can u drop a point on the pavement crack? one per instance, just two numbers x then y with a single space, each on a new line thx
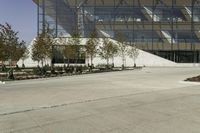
86 101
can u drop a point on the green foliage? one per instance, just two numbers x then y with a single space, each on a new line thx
17 68
59 69
2 48
69 52
3 68
74 42
37 71
11 75
67 69
79 69
25 55
11 48
42 47
41 71
71 69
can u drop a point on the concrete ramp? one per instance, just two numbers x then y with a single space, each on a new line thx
144 58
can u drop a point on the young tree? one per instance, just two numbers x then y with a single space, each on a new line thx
74 43
113 51
133 53
91 46
123 49
42 48
39 49
69 51
25 54
105 51
50 41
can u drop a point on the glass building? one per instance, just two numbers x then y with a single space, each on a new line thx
167 28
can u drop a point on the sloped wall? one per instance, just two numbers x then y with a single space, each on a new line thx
144 59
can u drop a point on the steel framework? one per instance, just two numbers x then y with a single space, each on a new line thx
168 28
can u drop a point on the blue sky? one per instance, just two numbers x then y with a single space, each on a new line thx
22 15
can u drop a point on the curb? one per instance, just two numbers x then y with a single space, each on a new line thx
189 82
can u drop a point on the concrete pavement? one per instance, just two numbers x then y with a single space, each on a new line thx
152 100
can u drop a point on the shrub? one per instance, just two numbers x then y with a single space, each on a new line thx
104 67
17 68
37 71
71 69
79 69
11 75
3 68
59 69
67 69
53 70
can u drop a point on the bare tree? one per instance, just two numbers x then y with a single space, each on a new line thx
133 53
123 49
91 46
105 51
113 51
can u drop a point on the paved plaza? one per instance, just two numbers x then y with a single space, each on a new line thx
151 100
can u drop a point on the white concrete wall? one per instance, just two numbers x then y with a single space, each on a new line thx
144 59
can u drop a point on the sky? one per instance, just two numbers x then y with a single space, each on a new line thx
22 15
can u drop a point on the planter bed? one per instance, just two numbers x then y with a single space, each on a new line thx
27 75
194 79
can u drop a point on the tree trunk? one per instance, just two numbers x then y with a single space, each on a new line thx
107 60
91 61
22 62
134 60
113 62
64 61
68 62
42 63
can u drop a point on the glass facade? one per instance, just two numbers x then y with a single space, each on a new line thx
162 27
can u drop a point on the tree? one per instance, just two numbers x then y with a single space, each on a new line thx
69 51
11 46
39 49
91 46
123 49
113 51
42 48
105 51
25 54
2 53
74 43
1 49
133 53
